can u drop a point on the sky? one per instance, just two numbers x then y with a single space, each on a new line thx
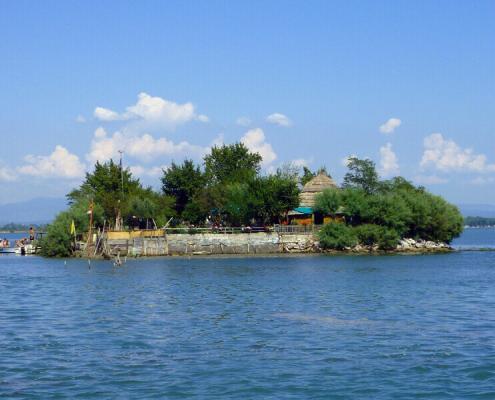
409 85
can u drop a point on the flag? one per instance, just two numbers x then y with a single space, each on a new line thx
73 228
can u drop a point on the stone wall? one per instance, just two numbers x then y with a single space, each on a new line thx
212 243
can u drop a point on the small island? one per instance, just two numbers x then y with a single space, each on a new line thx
227 205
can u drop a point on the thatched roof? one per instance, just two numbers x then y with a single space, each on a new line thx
316 185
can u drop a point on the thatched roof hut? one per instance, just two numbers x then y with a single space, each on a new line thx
316 185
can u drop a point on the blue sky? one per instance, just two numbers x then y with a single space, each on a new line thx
408 84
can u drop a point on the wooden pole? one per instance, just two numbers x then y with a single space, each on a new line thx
90 234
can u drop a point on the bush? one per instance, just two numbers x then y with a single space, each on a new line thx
368 234
371 235
337 236
389 239
58 240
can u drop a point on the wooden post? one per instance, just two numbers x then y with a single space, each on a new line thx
90 234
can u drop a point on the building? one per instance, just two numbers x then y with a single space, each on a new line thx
316 185
304 214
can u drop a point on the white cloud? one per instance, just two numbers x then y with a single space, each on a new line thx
203 118
153 110
243 121
390 126
104 114
80 119
429 180
345 160
7 175
301 162
254 140
389 165
143 147
153 172
279 119
446 155
61 163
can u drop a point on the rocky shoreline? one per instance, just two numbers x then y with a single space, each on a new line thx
261 243
404 246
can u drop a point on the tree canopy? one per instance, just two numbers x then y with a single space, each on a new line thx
231 163
382 212
228 188
361 175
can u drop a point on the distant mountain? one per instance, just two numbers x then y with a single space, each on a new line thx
478 210
36 211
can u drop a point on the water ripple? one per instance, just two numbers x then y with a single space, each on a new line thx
311 327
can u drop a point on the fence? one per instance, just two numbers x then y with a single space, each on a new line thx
154 233
225 230
296 229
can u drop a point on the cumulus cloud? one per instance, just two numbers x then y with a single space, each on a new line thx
389 165
446 155
254 140
390 126
301 162
143 147
7 175
104 114
80 119
243 121
140 171
60 163
153 110
279 119
345 160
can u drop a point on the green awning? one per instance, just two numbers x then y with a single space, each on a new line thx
304 210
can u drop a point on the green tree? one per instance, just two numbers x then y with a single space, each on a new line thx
231 163
355 205
183 182
150 206
58 241
276 195
362 175
307 175
238 207
328 201
390 210
104 187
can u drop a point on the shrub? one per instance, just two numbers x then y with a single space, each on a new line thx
337 236
58 241
389 239
368 234
371 235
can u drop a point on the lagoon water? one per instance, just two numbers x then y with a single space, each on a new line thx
315 327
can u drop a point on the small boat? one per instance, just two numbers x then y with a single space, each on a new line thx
25 249
5 247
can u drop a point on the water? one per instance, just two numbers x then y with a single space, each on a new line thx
338 327
476 238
